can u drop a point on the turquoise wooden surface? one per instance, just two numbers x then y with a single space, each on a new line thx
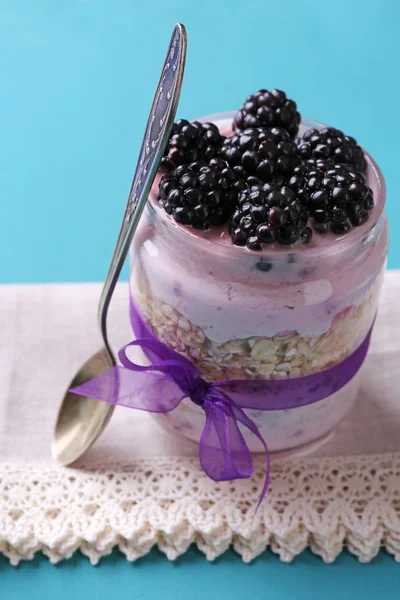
77 81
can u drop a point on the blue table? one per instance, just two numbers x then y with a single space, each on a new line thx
78 78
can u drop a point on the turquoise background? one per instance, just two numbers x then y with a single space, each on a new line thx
193 578
77 82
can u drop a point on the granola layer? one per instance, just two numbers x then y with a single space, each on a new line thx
285 355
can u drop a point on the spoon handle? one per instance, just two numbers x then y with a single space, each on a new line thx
156 135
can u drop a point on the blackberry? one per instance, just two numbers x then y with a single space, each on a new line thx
267 214
337 199
268 109
190 142
201 194
261 155
331 146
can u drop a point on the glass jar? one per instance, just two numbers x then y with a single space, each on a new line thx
285 312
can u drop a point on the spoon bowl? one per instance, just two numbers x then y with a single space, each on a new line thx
81 419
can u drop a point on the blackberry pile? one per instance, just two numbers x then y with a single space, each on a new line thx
261 155
267 186
268 109
201 194
330 146
191 142
336 200
268 214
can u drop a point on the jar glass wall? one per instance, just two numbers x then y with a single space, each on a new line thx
280 313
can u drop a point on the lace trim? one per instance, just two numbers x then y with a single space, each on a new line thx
325 504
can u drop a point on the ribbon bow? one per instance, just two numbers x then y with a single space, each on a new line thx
162 385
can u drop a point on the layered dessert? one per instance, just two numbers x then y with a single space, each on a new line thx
261 256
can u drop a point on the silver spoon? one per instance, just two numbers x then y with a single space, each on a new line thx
82 419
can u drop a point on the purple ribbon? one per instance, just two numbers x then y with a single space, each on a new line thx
170 377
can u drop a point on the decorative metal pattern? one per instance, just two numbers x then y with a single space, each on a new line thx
164 105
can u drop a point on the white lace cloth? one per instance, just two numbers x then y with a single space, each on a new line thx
345 492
